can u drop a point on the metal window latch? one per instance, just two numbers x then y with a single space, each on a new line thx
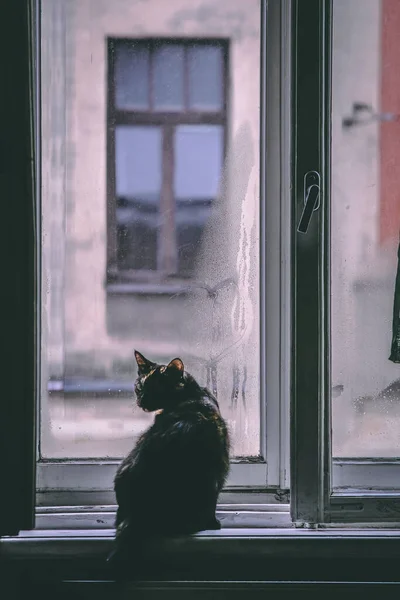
311 194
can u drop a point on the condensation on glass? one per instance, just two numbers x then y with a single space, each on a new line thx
150 203
365 227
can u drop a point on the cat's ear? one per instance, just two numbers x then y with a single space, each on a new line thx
144 365
176 366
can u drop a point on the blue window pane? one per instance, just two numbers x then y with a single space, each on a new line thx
205 65
132 77
138 159
168 77
198 168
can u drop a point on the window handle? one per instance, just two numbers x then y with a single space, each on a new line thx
311 199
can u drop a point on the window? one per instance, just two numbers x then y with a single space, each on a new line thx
167 112
345 267
282 298
151 172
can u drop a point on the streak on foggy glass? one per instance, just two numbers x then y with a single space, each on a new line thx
138 188
365 227
194 181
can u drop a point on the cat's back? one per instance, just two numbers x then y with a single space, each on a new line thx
193 434
200 410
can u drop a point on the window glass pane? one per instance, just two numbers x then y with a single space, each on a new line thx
198 164
108 193
168 77
138 187
365 227
205 77
131 76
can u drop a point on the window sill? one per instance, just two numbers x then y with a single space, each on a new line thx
230 555
99 518
371 543
148 289
169 287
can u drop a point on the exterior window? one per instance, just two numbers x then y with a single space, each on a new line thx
166 143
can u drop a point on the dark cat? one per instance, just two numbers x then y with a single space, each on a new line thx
170 481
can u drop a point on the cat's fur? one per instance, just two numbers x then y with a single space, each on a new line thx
169 483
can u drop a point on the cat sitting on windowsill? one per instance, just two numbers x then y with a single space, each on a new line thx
169 483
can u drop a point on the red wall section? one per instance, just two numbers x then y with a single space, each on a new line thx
390 131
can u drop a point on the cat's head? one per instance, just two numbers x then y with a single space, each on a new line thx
156 385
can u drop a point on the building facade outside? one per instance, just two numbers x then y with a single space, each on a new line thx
199 175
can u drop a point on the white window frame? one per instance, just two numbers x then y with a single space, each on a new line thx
326 491
67 488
